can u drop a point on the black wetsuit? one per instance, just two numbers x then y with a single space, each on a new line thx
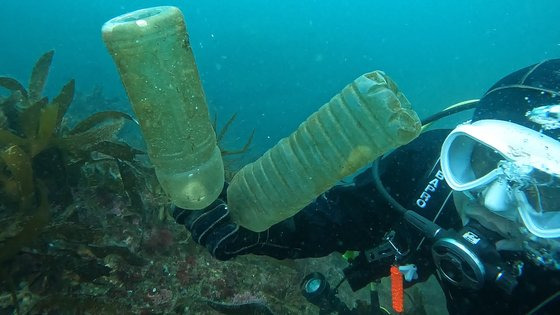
357 216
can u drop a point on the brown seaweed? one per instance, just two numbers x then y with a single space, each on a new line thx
39 75
42 164
231 165
31 227
224 130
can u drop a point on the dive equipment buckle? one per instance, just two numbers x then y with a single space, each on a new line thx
388 248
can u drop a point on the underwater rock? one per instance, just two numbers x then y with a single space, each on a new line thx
250 308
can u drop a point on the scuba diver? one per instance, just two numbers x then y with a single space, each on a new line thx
478 206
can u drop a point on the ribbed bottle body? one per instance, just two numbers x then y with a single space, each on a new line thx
368 118
157 67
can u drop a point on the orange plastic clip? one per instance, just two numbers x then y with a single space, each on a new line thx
397 291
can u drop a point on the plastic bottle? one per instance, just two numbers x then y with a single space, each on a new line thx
368 118
152 52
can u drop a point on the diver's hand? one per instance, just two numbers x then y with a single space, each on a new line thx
212 227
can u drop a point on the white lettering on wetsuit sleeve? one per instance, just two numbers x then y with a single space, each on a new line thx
432 186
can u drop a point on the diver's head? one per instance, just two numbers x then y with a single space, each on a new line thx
505 164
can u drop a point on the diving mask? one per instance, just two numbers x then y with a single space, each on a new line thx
516 171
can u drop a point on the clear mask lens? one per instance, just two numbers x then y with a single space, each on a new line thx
498 198
538 201
543 192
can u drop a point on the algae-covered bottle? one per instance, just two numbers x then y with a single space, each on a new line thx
368 118
157 67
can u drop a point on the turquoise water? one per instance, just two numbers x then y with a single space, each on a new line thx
275 62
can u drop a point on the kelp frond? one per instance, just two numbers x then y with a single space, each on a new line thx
39 75
224 130
243 150
231 165
18 163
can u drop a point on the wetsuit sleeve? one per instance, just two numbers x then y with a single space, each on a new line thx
350 217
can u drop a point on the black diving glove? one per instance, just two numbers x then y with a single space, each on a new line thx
212 228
